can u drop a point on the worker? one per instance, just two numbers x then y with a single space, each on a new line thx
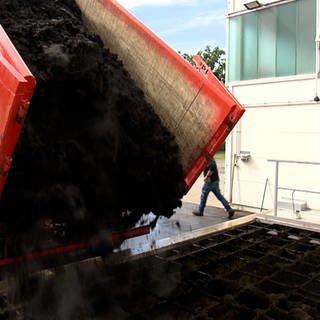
211 183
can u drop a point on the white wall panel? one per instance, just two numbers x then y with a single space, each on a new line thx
280 133
297 88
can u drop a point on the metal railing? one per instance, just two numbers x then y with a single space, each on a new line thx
276 181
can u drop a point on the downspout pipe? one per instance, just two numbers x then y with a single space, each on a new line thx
317 40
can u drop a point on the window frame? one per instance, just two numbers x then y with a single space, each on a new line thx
240 55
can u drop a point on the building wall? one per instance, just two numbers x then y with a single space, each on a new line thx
281 122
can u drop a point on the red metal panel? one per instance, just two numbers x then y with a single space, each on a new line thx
16 88
224 126
67 248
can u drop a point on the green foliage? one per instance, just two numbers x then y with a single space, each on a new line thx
188 57
214 58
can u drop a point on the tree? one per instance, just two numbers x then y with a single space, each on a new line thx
188 57
214 58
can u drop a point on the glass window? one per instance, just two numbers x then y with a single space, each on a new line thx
306 52
277 41
267 44
234 61
286 40
249 47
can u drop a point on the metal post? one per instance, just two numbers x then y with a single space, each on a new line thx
275 204
317 49
264 193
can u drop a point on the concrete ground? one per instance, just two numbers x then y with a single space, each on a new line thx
183 225
308 219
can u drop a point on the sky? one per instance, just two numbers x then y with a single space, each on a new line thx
187 26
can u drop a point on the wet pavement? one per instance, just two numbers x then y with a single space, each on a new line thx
183 226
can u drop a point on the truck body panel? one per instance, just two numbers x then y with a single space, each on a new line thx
16 89
199 112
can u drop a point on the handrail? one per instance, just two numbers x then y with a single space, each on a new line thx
293 161
276 187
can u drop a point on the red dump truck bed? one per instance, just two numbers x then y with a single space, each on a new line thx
199 112
16 89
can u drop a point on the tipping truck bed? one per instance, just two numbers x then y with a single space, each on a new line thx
199 112
16 89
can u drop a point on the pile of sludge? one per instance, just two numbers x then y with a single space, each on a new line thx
91 147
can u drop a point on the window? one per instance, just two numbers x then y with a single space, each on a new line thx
273 42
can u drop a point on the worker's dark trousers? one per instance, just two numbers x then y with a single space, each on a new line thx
214 187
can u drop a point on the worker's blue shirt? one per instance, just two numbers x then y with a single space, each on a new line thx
212 166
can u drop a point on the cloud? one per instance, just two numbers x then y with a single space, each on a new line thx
193 46
129 4
207 19
186 25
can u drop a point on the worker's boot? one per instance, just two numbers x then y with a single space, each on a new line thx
230 214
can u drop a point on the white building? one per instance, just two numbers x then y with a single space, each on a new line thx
273 70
